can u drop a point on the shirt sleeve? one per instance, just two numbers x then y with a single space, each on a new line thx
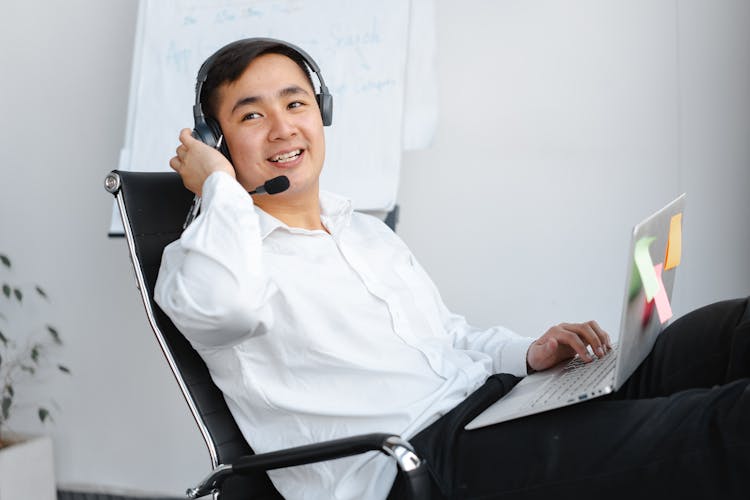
211 282
506 348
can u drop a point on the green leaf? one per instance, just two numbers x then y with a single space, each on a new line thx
55 336
5 260
43 414
6 290
35 354
5 407
41 292
18 294
63 369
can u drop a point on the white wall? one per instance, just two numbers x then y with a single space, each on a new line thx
66 72
562 124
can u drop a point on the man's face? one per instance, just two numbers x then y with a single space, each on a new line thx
272 126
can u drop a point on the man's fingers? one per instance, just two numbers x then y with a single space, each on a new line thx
596 343
566 340
601 339
186 136
569 335
588 334
602 334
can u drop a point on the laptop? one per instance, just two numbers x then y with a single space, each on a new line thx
655 252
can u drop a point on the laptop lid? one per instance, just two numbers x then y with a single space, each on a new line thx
655 253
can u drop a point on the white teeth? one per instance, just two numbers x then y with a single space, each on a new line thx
287 156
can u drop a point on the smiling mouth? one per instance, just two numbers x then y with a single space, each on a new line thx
286 157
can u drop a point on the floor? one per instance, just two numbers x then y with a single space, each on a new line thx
78 495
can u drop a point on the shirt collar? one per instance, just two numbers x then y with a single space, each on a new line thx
335 214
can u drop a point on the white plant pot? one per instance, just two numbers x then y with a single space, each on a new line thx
27 469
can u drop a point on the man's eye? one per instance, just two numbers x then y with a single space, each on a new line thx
295 104
251 116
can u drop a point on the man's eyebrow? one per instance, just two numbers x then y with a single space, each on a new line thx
245 101
285 92
292 90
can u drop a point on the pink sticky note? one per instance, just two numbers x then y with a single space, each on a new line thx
663 308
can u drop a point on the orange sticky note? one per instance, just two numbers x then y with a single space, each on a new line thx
674 243
663 308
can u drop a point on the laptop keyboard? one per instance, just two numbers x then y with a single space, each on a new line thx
576 379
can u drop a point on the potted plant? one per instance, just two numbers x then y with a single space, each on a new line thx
27 350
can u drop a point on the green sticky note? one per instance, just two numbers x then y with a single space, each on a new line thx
646 267
635 285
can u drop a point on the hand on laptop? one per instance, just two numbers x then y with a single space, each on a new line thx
564 341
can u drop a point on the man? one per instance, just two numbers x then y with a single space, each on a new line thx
318 323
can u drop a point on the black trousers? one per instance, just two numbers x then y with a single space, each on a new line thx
679 428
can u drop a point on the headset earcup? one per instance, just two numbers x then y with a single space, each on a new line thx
217 133
203 132
325 103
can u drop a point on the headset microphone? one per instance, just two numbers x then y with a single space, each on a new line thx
273 186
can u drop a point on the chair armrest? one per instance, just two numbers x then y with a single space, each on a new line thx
400 450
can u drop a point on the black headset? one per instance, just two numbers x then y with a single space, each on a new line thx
207 129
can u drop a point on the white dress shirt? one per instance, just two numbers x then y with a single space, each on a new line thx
315 336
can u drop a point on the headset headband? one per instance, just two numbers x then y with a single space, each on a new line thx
206 66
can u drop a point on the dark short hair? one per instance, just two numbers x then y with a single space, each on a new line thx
231 61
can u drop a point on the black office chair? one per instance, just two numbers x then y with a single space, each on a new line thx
153 207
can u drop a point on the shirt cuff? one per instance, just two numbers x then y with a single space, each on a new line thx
513 357
218 181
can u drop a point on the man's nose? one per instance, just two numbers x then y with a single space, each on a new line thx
282 126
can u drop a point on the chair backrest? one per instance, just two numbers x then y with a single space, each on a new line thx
153 207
